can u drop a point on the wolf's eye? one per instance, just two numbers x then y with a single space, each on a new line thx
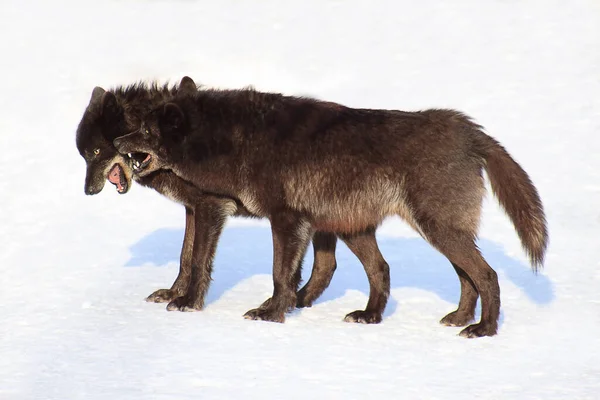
96 151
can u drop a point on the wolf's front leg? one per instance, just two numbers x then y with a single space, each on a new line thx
180 286
209 219
290 239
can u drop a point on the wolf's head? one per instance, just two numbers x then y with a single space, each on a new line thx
102 121
156 142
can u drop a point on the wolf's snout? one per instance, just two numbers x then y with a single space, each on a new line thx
117 143
91 190
122 145
94 181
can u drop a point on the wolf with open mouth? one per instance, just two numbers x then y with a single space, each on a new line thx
306 164
112 114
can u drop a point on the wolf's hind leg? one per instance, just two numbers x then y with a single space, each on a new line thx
364 246
323 268
459 246
468 300
446 207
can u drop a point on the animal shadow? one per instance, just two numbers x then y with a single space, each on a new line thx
247 251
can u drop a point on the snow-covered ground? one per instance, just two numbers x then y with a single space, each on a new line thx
74 269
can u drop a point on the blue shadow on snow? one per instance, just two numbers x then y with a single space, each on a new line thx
246 251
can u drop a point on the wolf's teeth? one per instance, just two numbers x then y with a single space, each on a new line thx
129 155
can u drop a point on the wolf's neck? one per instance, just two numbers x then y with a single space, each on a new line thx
208 178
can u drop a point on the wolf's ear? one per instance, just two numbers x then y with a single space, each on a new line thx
173 116
96 98
109 105
187 86
97 95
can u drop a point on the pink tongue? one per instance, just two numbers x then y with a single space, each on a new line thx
146 159
114 177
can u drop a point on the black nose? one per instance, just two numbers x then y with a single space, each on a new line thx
91 191
117 142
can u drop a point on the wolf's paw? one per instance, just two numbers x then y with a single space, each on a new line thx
162 296
364 317
478 330
303 299
184 304
265 304
456 318
265 314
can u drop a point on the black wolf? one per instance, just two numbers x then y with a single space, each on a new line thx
306 164
111 114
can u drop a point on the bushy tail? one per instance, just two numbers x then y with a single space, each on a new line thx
519 198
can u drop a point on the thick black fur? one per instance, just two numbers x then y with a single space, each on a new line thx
112 114
311 165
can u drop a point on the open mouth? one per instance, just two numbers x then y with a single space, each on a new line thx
139 161
116 176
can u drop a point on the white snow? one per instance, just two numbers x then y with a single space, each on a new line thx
74 269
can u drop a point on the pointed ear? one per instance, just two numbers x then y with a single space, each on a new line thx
187 85
97 94
96 97
173 116
109 106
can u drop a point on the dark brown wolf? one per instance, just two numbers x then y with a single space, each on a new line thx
306 164
111 114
